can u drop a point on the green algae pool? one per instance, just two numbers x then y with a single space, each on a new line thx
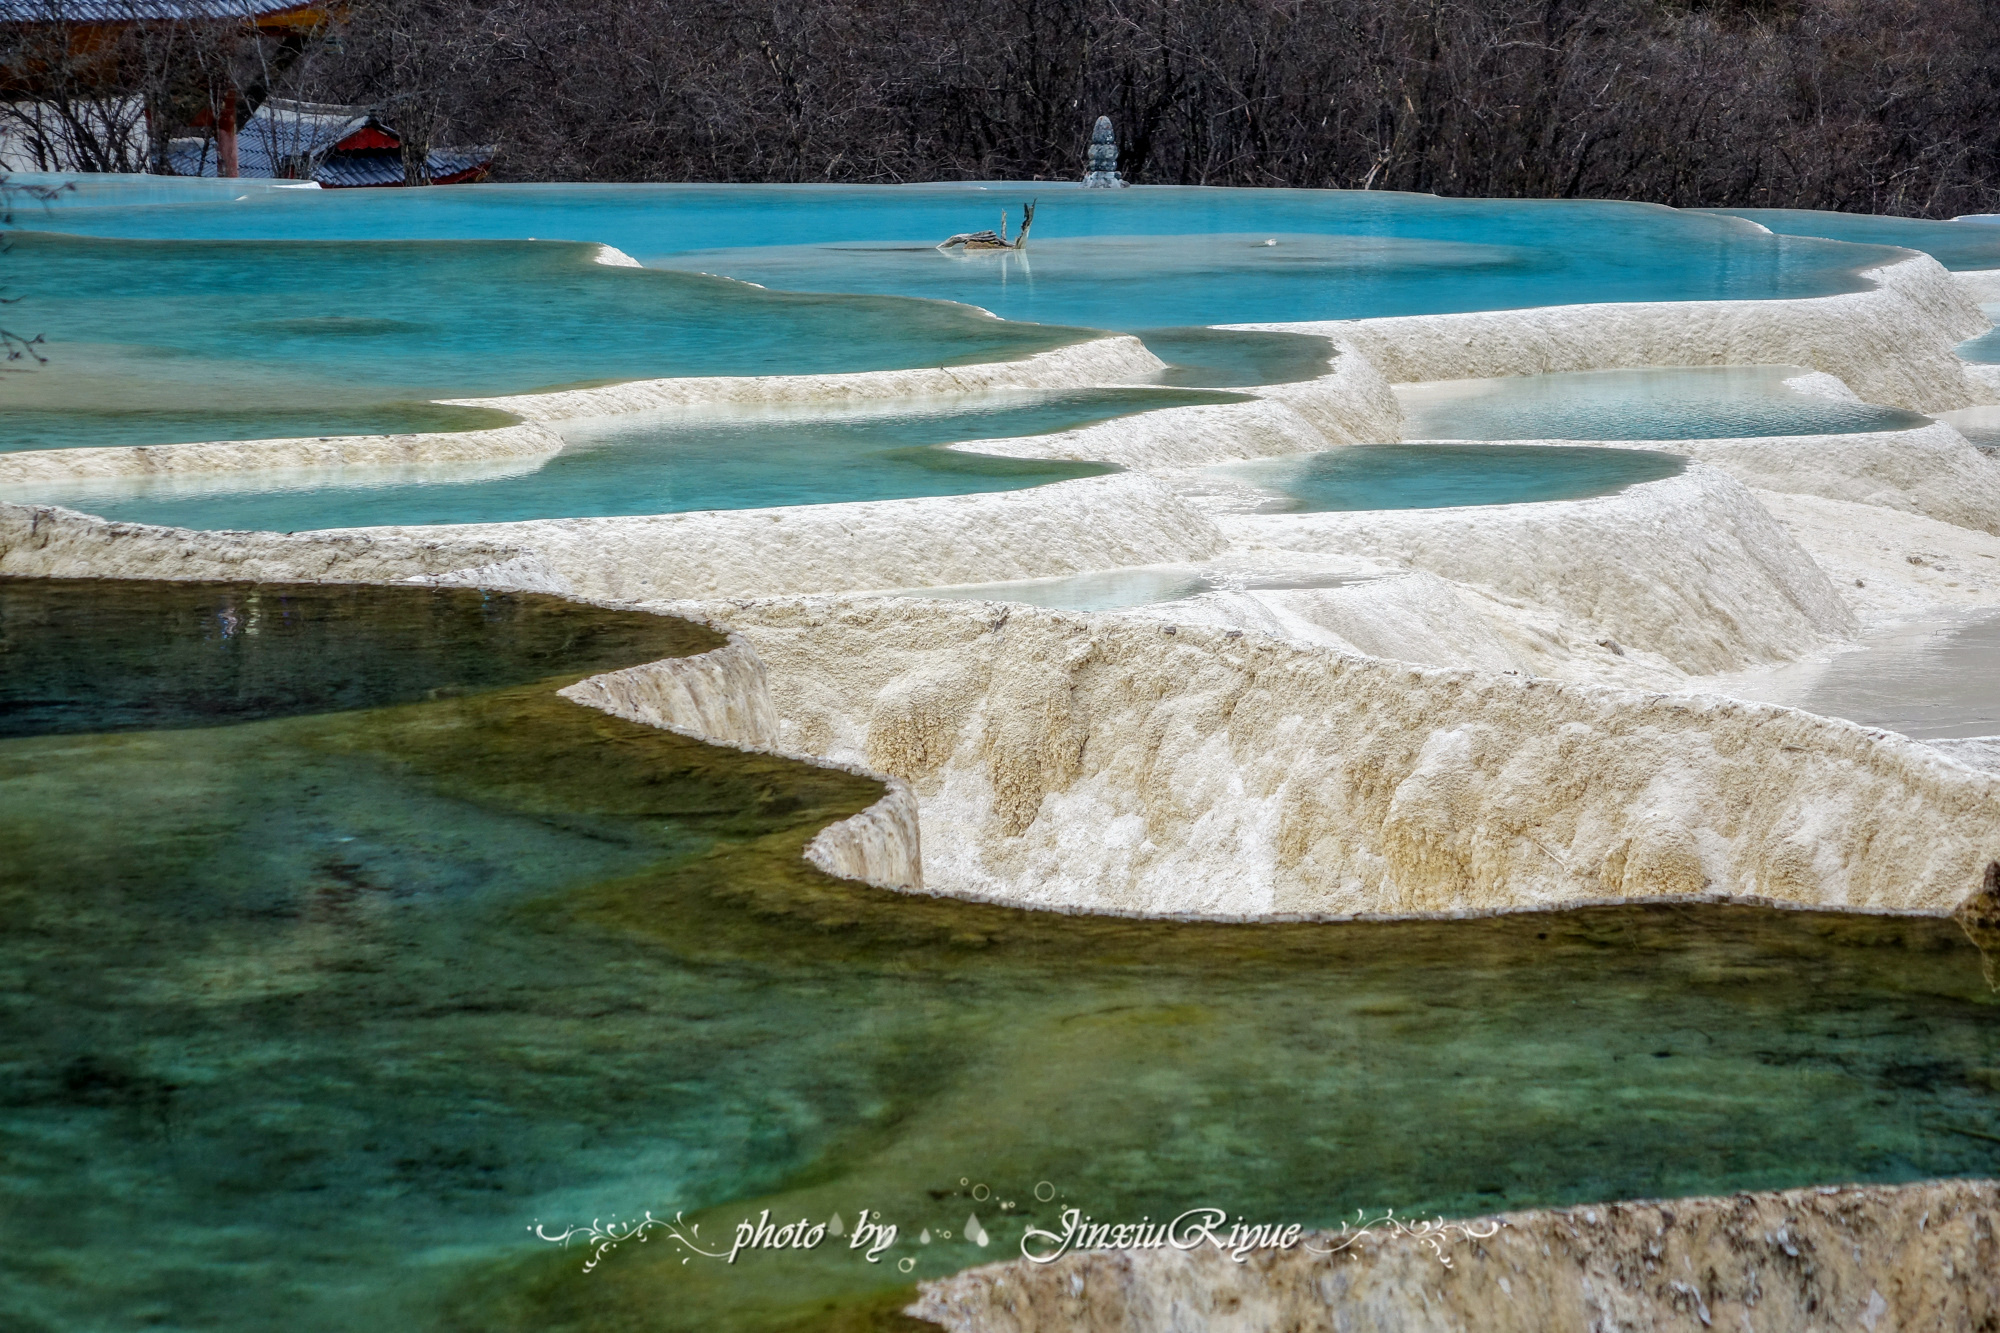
339 953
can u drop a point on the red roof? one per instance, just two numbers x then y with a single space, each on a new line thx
368 136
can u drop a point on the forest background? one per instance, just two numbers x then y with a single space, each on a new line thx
1879 106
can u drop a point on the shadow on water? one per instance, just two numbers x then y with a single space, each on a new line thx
328 978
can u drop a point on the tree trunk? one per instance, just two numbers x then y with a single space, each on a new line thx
225 137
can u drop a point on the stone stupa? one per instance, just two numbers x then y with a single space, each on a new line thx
1103 160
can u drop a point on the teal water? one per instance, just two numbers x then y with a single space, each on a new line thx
178 313
332 973
1440 476
1671 403
1236 358
299 336
649 463
84 427
1985 349
1957 245
1147 257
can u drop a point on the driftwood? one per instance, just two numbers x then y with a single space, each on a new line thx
994 240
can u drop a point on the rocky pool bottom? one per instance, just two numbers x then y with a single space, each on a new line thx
331 974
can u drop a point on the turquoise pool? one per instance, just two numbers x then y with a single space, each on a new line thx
150 339
341 952
177 313
1126 259
651 463
1442 476
1985 349
1962 244
1667 403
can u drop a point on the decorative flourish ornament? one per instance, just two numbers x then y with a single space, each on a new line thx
1433 1235
604 1237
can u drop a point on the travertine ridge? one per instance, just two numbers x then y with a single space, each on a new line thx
720 695
1093 523
49 542
1691 567
1173 437
1116 763
1893 343
1119 359
1877 1259
1931 470
525 440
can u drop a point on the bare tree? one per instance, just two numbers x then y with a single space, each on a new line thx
1886 106
20 346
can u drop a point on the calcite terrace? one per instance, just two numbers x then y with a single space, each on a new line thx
1173 690
1369 711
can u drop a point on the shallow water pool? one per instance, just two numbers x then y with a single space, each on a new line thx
174 315
1931 679
1150 256
1983 350
651 463
1957 244
1236 358
334 970
1440 476
150 341
1668 403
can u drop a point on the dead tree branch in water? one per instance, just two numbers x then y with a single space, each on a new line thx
991 240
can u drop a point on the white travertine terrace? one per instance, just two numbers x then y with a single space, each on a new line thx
1691 568
1092 523
721 696
1874 1258
1981 284
1171 437
1390 712
1119 359
1350 404
1931 470
1406 616
526 440
1117 763
879 846
42 541
1893 343
1984 418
